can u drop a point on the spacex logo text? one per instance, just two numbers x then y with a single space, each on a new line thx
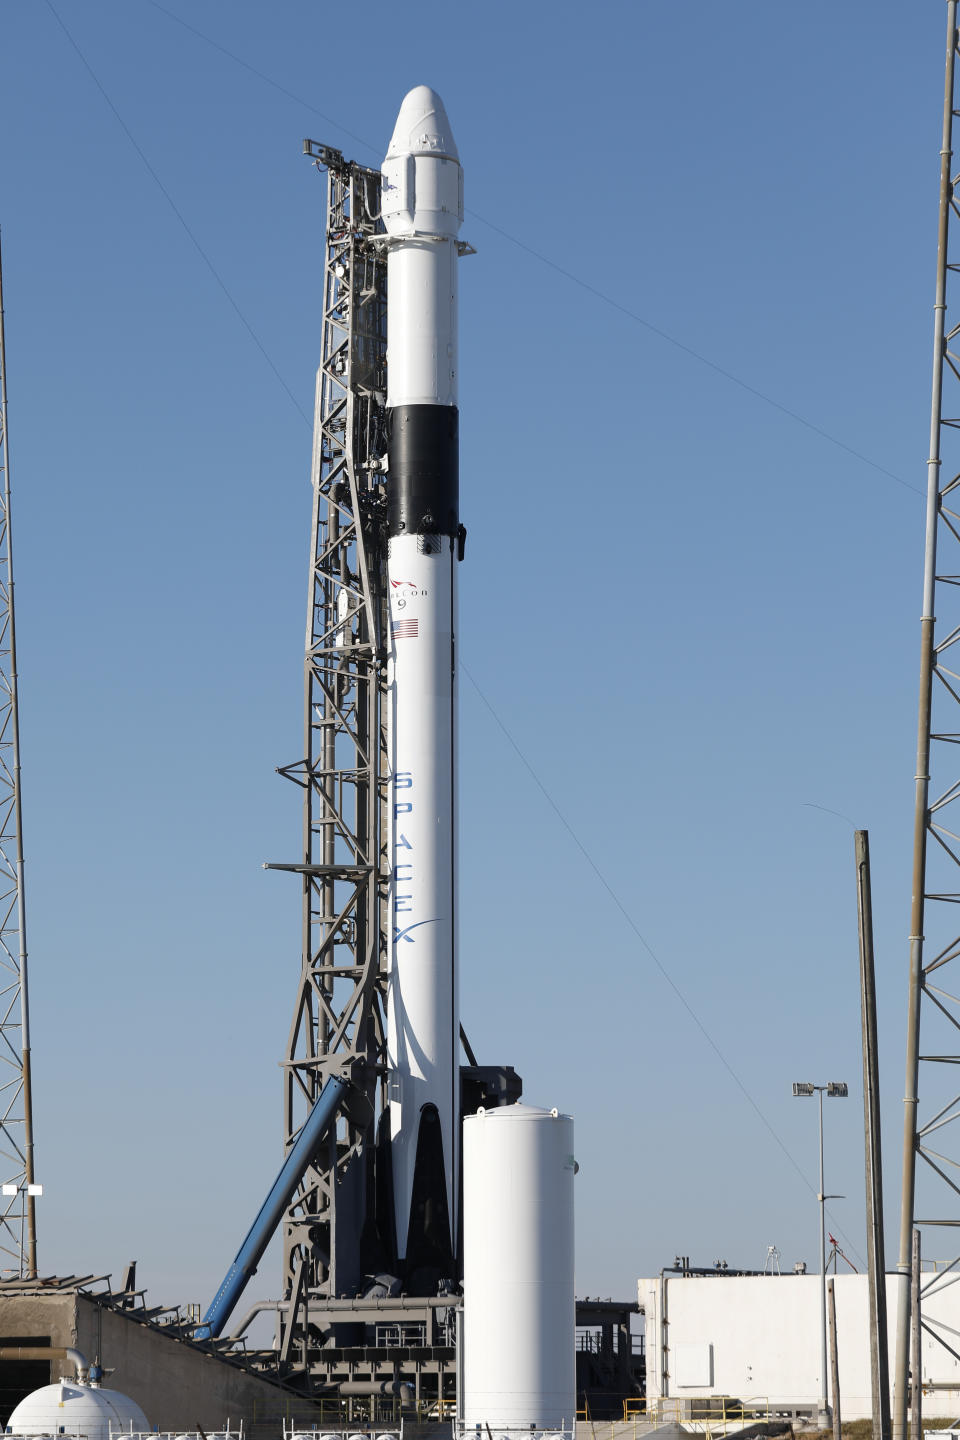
403 903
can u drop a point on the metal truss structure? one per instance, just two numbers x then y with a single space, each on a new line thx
931 1149
338 1019
18 1235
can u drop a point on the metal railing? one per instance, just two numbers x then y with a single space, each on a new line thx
119 1432
493 1431
706 1415
333 1413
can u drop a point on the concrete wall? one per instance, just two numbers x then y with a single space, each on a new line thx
177 1388
53 1316
758 1337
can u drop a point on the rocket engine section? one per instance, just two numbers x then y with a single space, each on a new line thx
422 209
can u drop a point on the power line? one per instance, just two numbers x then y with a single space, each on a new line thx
703 359
634 927
178 213
268 80
569 275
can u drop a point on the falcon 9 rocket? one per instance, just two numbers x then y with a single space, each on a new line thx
422 208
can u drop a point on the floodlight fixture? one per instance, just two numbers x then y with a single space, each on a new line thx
838 1089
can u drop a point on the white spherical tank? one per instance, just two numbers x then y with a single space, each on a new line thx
519 1317
73 1409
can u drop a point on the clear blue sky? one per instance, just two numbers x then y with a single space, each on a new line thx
688 614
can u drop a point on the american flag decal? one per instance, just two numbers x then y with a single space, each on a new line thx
405 629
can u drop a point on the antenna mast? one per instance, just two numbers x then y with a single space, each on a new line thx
18 1230
930 1135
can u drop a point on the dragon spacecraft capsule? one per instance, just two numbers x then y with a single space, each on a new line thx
422 209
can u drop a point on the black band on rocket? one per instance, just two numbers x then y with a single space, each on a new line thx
423 459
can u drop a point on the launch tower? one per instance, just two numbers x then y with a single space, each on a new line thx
338 1026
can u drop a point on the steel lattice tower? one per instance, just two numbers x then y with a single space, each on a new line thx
338 1020
18 1235
931 1101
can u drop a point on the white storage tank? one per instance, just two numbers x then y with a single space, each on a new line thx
519 1369
70 1408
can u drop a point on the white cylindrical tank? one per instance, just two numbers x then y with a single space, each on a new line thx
71 1409
519 1318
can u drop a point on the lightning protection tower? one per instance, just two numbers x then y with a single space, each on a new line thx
931 1142
18 1233
337 1028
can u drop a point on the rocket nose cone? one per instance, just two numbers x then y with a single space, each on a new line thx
422 127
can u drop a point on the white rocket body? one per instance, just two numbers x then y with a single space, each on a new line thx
422 208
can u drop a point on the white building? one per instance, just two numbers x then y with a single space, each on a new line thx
757 1339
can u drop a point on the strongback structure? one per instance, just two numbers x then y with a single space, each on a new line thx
931 1149
18 1236
338 1020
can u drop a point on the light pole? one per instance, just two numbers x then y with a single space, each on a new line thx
838 1090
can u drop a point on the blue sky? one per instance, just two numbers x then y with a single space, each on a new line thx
695 356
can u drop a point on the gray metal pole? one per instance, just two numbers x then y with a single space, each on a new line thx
31 1246
921 800
916 1389
834 1360
876 1265
824 1409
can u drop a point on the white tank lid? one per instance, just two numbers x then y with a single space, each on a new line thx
69 1408
517 1113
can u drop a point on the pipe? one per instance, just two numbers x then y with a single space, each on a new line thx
253 1312
376 1387
45 1352
391 1303
388 1302
321 1117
